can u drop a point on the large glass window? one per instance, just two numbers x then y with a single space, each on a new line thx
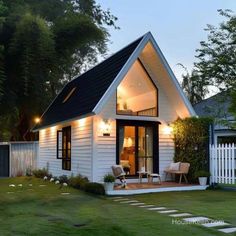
136 94
64 147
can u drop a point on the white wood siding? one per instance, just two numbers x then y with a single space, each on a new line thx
81 148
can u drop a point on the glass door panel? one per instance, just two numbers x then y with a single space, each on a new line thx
127 149
145 149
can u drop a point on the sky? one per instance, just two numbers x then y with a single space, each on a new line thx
177 25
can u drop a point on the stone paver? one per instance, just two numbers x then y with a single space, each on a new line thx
65 193
197 219
228 230
156 208
168 211
146 206
215 223
130 201
137 204
121 199
180 215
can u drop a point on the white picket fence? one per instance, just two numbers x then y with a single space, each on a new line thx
222 163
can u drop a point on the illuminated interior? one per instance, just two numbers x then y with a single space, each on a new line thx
136 94
136 149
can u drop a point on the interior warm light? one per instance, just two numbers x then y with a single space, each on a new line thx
128 142
37 120
105 128
168 130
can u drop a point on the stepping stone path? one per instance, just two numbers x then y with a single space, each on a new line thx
228 230
65 193
204 221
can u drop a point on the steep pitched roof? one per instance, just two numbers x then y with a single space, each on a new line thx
87 89
88 93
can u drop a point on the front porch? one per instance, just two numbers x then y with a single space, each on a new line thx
141 188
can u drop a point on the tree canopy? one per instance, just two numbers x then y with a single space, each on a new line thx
43 45
216 58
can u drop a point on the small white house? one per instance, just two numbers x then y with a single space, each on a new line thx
116 113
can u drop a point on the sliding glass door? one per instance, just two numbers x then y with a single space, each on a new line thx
137 146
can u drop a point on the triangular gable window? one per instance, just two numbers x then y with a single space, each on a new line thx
137 95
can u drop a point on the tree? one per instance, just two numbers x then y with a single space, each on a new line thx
43 45
217 56
193 86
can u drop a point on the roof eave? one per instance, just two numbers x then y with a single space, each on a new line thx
64 121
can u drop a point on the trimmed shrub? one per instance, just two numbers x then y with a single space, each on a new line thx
191 138
77 181
94 188
40 173
63 179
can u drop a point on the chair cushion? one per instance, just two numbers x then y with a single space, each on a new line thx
174 166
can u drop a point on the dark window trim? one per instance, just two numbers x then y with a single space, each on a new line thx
58 145
157 94
65 153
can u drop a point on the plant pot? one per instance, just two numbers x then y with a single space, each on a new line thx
202 180
109 186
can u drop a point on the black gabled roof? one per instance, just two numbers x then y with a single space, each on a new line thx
90 88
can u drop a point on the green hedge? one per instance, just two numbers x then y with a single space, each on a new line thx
191 138
94 188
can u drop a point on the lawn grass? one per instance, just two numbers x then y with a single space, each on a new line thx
44 211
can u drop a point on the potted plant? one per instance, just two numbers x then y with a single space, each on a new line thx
109 181
202 176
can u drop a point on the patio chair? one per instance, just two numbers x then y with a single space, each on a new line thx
182 170
118 172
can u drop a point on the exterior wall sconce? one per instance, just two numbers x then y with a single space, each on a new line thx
168 129
37 120
105 128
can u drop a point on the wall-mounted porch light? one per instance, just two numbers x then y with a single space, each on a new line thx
168 129
105 127
37 120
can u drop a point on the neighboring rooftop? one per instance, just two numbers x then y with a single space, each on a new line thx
216 106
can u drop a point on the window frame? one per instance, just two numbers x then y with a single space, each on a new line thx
65 151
